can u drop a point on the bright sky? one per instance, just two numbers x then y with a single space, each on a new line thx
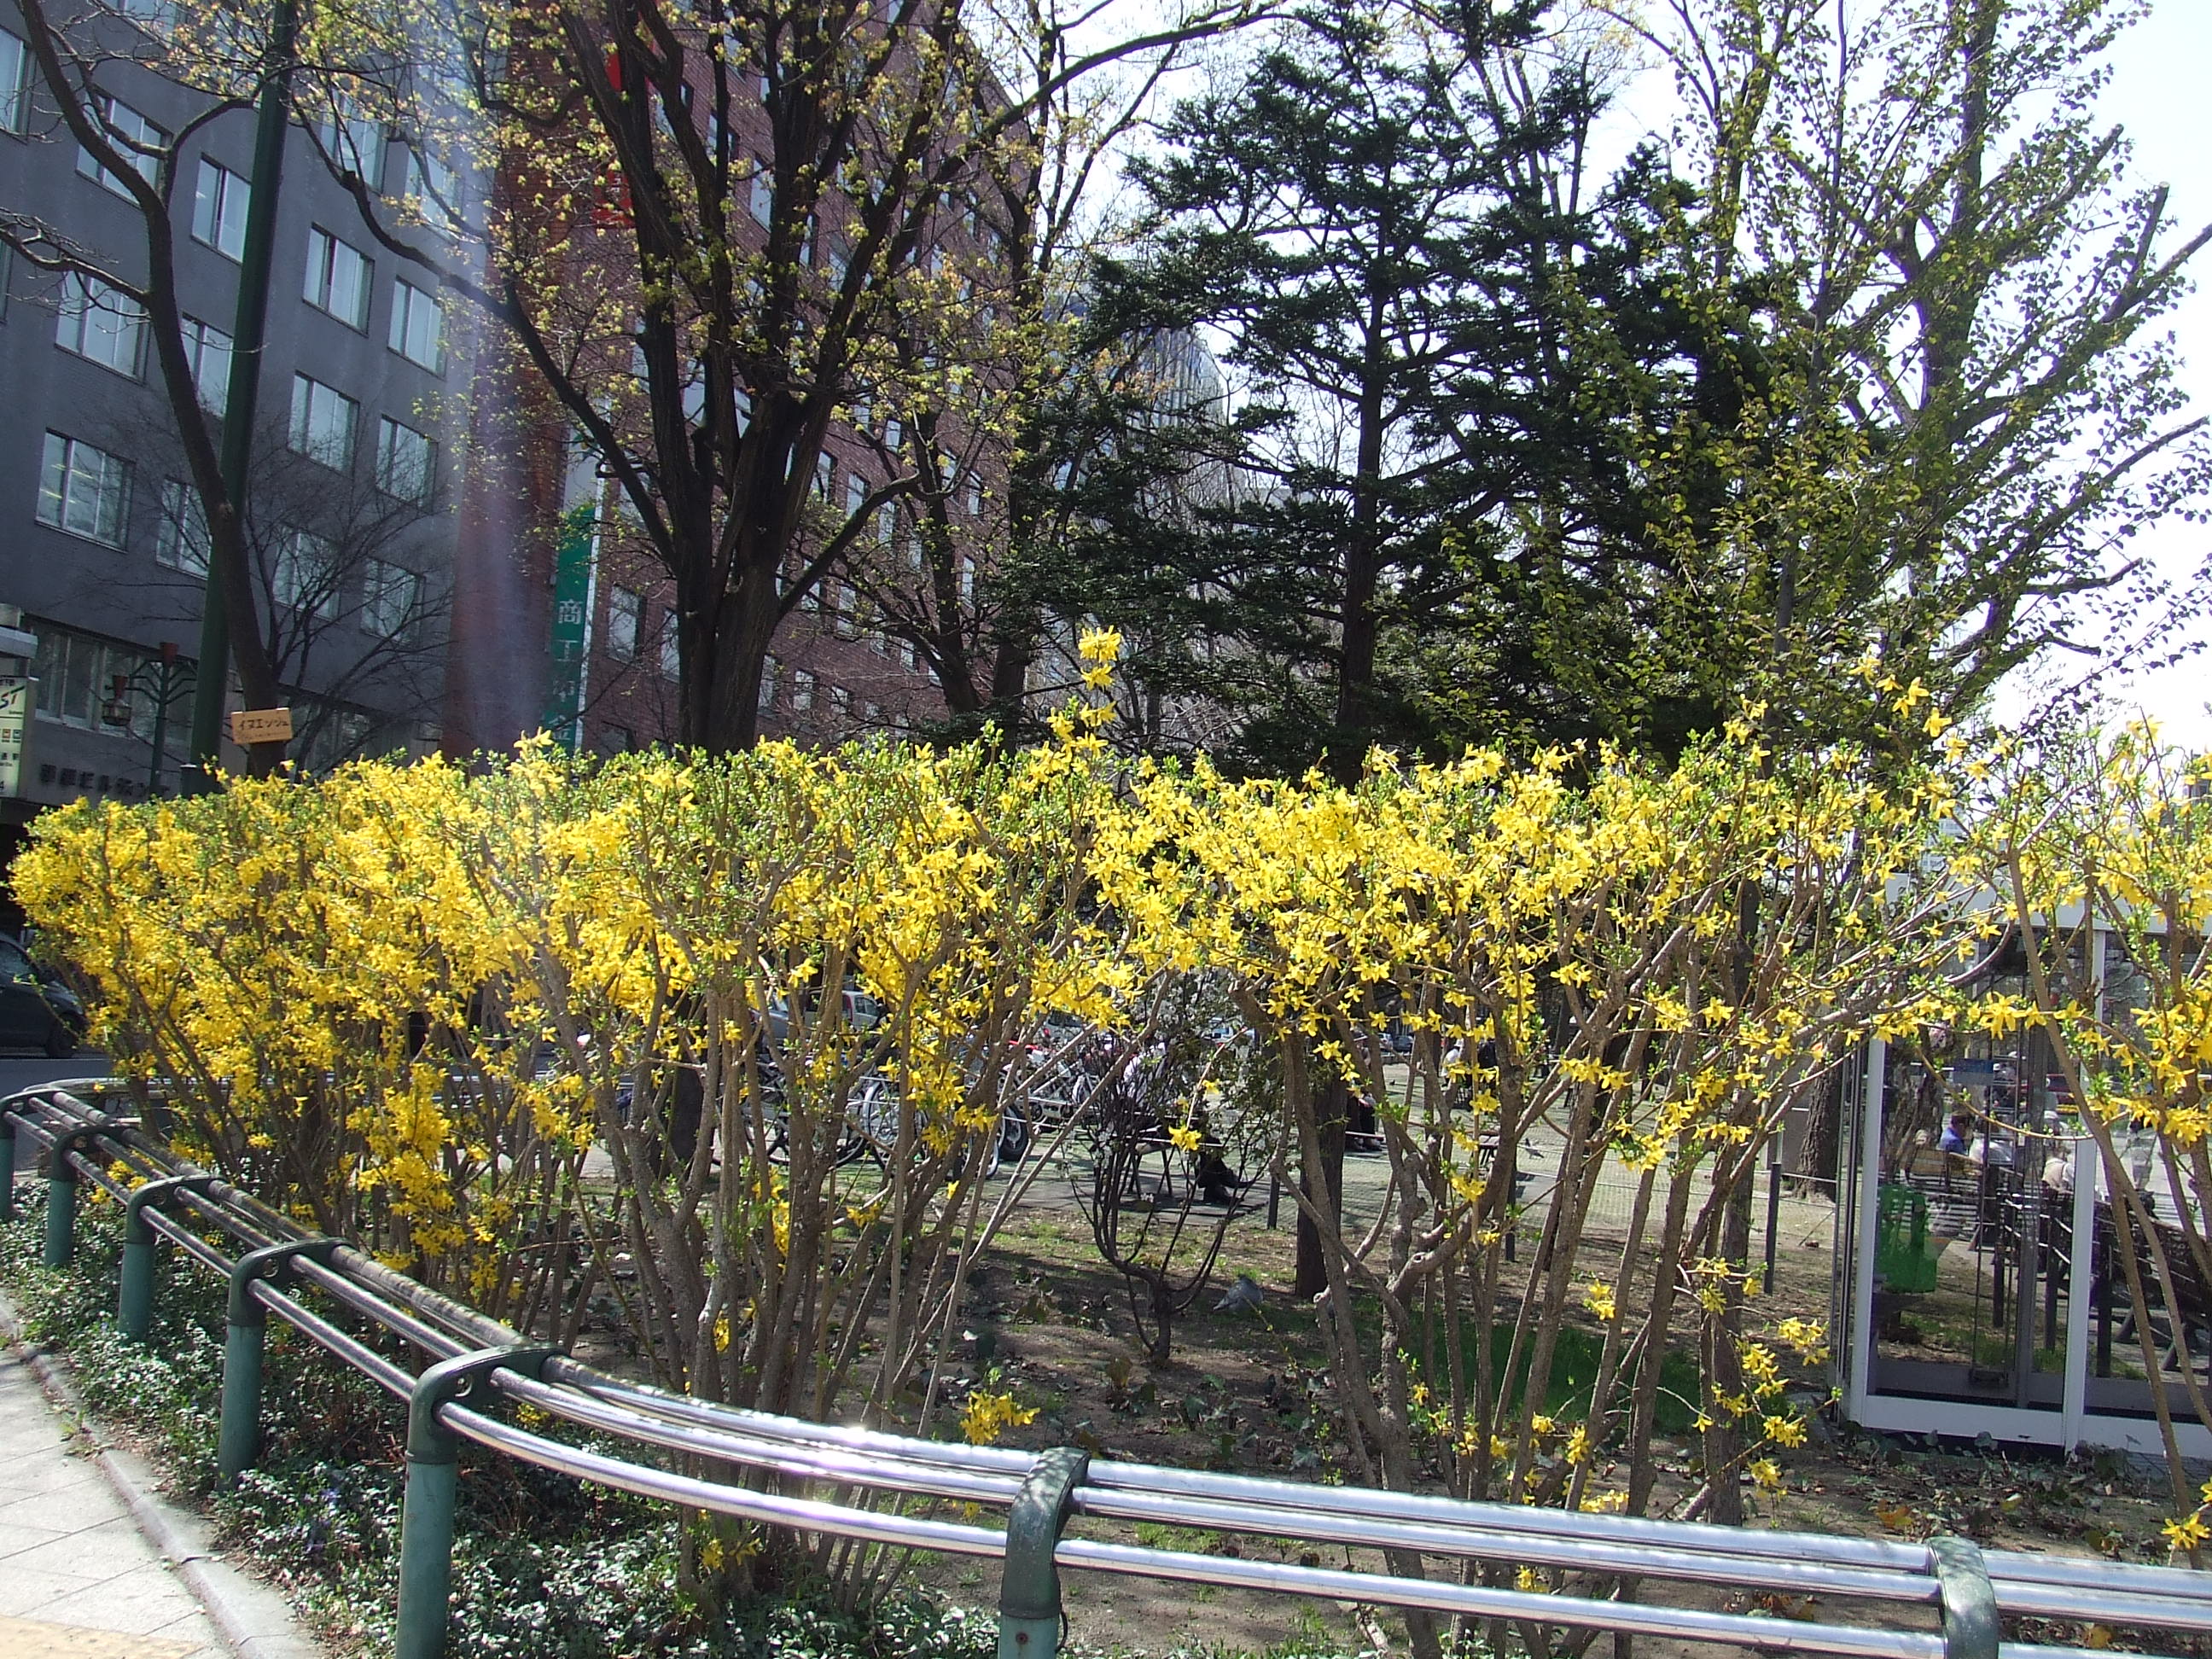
2157 94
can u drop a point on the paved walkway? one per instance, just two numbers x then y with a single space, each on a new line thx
78 1579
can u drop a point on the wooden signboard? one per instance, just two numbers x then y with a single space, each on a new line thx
252 726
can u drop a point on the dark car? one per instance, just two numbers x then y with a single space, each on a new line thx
37 1011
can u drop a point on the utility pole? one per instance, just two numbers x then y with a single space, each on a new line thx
272 118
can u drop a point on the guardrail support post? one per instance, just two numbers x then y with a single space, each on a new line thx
134 1301
244 1336
1029 1592
1970 1604
425 1514
61 1196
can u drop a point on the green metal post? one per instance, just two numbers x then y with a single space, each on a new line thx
7 1167
239 1438
134 1302
61 1206
426 1555
426 1515
1029 1591
1971 1625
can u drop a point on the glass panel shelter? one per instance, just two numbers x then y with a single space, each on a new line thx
1986 1294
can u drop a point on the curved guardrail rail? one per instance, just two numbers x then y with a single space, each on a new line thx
475 1364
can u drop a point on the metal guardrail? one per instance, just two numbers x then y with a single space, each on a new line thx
474 1364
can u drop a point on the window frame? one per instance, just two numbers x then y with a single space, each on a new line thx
285 586
624 605
408 302
301 431
146 167
216 233
186 549
320 288
214 400
77 304
388 447
65 497
381 579
15 100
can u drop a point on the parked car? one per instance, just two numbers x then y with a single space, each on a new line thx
37 1011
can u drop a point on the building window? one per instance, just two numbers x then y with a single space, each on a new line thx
840 703
802 692
974 498
355 143
625 612
14 69
406 462
99 323
418 327
388 599
433 192
181 538
825 476
617 739
763 194
83 490
306 577
322 423
768 684
856 496
337 279
873 713
671 646
967 580
139 138
219 210
207 349
74 672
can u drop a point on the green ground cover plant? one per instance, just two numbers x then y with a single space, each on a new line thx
543 1568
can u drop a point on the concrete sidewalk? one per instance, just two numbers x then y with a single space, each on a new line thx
77 1576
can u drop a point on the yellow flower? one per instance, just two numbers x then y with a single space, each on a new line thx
1102 646
987 1416
2187 1533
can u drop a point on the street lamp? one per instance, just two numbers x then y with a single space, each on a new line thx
166 680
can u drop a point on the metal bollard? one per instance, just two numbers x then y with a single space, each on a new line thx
134 1301
1029 1591
425 1514
61 1196
7 1166
1971 1627
245 1337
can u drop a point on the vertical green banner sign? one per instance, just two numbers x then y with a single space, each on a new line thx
572 618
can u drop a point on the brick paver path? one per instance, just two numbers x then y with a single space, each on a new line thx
78 1580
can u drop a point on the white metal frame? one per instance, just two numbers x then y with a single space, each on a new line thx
2074 1424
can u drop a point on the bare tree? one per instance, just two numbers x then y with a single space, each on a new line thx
79 51
355 604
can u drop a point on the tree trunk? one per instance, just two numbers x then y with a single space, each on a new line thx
1332 1104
